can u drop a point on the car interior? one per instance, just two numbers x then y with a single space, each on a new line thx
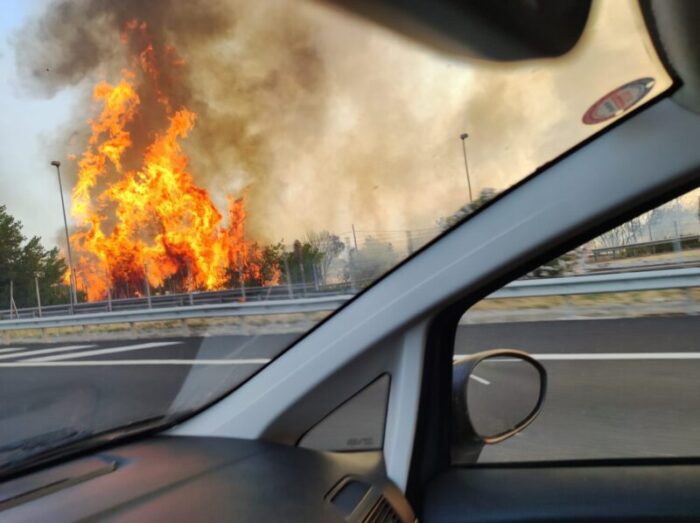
280 447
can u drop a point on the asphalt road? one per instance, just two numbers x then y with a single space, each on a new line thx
617 388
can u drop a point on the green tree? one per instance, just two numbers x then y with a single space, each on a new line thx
22 260
302 263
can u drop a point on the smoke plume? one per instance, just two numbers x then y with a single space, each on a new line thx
325 120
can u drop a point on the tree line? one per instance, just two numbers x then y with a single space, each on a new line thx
320 258
24 263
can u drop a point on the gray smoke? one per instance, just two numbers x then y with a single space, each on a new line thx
325 120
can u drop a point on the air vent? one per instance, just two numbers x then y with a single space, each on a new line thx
382 512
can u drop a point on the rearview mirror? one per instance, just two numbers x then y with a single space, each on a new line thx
501 30
495 395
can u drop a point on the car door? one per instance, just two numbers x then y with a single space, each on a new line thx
613 322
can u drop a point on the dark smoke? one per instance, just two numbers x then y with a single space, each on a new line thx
326 121
248 71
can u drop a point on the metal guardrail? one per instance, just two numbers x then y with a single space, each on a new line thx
602 284
229 296
324 303
589 284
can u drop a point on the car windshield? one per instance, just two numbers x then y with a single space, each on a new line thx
186 188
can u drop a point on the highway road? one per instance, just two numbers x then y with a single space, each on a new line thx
617 388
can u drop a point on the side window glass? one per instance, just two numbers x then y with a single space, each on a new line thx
615 324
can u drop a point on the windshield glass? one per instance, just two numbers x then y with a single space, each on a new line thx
188 187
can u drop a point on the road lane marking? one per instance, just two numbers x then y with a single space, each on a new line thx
619 356
605 356
46 351
108 350
479 379
107 363
11 349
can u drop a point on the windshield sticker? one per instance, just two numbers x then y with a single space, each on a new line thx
618 101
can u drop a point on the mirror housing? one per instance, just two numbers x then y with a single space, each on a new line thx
498 30
469 435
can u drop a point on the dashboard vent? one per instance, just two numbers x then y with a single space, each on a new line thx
382 512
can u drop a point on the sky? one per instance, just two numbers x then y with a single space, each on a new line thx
389 157
28 185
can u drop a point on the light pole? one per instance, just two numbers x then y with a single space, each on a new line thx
74 294
464 137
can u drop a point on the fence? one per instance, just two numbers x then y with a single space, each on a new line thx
589 284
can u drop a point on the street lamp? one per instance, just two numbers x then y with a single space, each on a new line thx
74 294
464 137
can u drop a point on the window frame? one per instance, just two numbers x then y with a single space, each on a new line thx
431 454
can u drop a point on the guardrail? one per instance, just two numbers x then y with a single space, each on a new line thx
589 284
602 284
229 296
301 305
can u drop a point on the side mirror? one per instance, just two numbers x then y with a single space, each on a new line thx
495 395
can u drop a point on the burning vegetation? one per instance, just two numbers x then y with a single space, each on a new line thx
140 214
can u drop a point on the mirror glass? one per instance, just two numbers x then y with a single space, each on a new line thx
502 392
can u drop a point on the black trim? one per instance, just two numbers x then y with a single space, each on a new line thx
598 462
431 446
653 30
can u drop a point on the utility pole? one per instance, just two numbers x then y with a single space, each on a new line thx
354 236
287 275
13 305
351 265
315 271
464 137
240 277
109 290
190 283
147 285
74 292
301 270
38 296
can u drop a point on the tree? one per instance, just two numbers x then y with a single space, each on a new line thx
626 234
460 214
302 263
328 246
21 261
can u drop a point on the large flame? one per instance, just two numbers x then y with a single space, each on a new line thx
145 218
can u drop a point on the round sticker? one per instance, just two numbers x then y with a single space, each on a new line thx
618 101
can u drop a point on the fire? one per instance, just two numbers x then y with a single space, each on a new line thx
140 214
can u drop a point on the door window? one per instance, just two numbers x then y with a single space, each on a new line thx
615 324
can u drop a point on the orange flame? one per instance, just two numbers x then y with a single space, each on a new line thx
150 221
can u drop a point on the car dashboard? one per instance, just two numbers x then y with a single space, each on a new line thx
173 478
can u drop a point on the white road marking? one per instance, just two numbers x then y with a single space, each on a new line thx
602 356
11 349
620 356
47 351
108 350
479 379
106 363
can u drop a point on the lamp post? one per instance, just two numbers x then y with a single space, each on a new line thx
74 294
464 137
